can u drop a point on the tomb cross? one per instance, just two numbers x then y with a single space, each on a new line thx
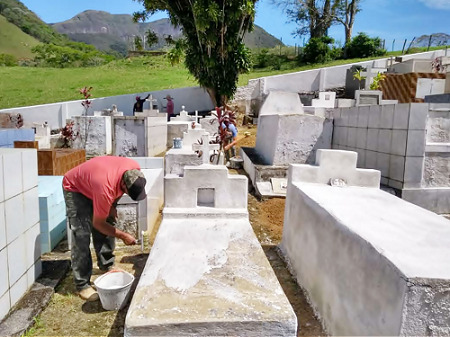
151 100
205 147
368 75
197 117
183 112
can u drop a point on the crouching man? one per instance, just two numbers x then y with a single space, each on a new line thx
91 191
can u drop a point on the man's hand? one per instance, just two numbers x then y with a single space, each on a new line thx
128 239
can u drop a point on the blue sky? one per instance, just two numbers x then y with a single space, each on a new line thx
388 19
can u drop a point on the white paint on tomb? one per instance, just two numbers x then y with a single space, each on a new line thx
281 102
207 274
206 148
375 256
326 100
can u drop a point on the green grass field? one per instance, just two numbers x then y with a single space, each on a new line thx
15 42
24 86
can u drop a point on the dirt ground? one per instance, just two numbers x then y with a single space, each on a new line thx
68 315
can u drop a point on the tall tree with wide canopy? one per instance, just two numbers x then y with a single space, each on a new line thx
214 31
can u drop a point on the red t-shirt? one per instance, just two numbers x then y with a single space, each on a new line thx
99 180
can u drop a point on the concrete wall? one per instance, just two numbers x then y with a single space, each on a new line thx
284 139
408 143
193 98
20 246
366 260
95 135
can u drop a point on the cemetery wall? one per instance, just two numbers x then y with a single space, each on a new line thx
56 114
408 143
20 247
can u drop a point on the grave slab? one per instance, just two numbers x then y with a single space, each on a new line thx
371 263
207 274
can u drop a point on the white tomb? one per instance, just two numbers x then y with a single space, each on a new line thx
94 135
371 263
20 244
207 274
42 135
183 117
326 100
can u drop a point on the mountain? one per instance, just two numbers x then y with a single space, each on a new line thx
15 42
115 31
438 39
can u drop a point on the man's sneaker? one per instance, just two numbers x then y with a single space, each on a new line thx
107 269
88 294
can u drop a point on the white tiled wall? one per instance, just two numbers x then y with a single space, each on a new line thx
20 249
389 138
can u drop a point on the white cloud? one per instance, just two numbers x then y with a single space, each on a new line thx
437 4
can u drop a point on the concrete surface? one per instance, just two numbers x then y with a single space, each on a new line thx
207 274
176 159
95 135
371 263
281 102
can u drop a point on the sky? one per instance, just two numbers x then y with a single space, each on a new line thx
388 19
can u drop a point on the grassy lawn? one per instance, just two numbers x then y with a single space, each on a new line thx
24 86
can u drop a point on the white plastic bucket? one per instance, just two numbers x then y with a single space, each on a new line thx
114 288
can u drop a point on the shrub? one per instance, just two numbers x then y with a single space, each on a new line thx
318 50
8 60
362 46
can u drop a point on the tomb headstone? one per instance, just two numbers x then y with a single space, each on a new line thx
325 100
94 135
368 97
205 148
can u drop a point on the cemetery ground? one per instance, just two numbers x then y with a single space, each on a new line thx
68 315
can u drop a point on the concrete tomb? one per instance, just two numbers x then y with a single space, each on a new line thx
177 159
20 243
371 263
9 136
283 137
207 274
94 135
139 136
138 216
52 212
325 100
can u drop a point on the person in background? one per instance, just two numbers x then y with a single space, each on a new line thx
170 107
230 139
139 105
91 192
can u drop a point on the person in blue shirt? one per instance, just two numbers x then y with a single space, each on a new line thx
230 139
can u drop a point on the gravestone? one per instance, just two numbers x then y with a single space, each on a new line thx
207 274
94 134
370 263
325 100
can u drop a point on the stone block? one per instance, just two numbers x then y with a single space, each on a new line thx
343 121
384 141
2 188
434 199
14 217
374 116
372 139
395 184
363 116
29 168
352 136
383 164
371 160
31 207
401 116
397 167
387 116
361 138
398 145
353 117
5 305
4 281
326 100
361 157
2 226
418 116
17 261
34 272
176 159
416 143
18 289
413 171
12 172
345 103
33 245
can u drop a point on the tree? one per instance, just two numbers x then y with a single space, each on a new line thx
213 32
346 13
138 43
151 37
314 17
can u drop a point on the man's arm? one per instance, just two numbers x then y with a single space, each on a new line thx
102 226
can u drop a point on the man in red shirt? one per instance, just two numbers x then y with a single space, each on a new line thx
91 192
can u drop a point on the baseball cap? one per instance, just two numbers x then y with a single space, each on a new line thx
135 182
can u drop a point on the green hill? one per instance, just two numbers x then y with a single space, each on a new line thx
15 42
115 31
